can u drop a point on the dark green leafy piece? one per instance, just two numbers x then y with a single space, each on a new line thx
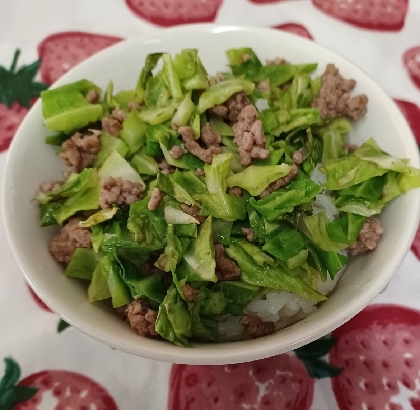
173 322
82 264
47 212
142 286
284 242
148 227
285 199
270 276
346 228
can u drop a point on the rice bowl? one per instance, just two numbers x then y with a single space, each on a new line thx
343 302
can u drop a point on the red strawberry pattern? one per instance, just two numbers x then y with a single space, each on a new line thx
279 382
297 29
412 64
10 119
68 390
173 12
379 350
265 1
412 114
382 15
38 301
415 247
18 91
62 51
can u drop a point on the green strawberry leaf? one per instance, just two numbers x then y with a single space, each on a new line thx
62 325
320 368
11 375
11 393
18 85
312 356
316 349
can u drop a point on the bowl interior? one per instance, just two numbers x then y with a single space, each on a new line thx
31 162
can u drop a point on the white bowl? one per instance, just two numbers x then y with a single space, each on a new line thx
31 162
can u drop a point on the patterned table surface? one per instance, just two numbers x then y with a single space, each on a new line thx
50 366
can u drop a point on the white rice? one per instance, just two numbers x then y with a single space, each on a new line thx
282 308
317 176
261 104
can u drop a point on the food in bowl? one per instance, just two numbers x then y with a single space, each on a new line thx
214 208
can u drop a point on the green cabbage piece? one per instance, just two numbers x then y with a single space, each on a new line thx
346 228
217 94
65 108
98 217
315 228
255 179
117 167
173 322
284 200
148 227
109 144
198 263
270 276
133 132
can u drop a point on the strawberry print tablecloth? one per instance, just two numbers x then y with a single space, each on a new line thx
371 363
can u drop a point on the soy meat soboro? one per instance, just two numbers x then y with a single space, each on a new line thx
214 208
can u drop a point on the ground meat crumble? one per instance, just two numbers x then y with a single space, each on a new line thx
281 182
249 233
334 97
235 191
70 237
205 154
232 107
155 199
140 316
193 211
249 136
189 293
80 150
50 186
177 151
92 97
226 269
113 123
368 238
116 191
165 168
255 327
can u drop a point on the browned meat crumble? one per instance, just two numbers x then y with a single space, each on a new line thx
205 154
189 293
165 168
80 150
70 237
232 107
116 191
235 191
334 97
193 211
368 238
92 97
249 136
141 317
155 199
226 269
255 327
281 182
113 123
249 233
